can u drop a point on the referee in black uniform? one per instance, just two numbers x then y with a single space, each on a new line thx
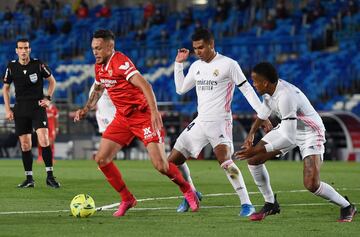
29 112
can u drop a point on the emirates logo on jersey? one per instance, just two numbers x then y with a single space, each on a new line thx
108 83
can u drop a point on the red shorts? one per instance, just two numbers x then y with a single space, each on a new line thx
122 130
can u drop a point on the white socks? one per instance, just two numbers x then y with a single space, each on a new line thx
262 180
184 169
237 181
327 192
28 173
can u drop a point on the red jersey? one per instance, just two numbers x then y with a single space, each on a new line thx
53 115
114 77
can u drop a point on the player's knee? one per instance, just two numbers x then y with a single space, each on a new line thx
25 146
101 161
43 141
311 184
162 168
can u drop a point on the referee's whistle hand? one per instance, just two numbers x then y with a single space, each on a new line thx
44 103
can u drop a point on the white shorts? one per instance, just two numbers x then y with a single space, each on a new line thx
200 133
103 122
105 112
309 142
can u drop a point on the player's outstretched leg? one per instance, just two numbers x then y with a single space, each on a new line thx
124 206
114 177
347 210
313 183
266 210
237 181
174 174
347 213
184 205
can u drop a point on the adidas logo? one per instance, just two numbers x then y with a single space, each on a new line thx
198 73
221 136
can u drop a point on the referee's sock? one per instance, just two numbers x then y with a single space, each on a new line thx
47 157
27 159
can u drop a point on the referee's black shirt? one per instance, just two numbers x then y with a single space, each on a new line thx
28 79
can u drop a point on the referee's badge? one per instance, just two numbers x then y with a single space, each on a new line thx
216 73
33 78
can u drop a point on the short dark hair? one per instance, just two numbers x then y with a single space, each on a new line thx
266 70
202 34
104 34
23 40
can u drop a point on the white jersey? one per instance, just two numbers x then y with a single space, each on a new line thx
215 82
297 114
105 111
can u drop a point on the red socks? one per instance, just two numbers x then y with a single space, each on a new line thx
113 176
175 176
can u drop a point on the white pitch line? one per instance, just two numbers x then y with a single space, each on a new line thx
111 206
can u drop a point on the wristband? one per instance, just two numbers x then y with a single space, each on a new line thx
48 97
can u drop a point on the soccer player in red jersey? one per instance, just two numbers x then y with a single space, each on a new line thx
53 128
136 115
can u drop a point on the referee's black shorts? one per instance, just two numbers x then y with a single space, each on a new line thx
29 115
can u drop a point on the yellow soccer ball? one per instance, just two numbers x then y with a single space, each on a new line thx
82 205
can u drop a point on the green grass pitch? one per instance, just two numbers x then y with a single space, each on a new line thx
45 212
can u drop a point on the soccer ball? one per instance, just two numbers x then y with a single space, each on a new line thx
82 205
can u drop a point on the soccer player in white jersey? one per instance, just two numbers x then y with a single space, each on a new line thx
215 77
300 126
105 110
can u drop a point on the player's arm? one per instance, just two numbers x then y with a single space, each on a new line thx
183 84
247 148
91 103
140 82
50 91
286 133
248 91
9 115
287 130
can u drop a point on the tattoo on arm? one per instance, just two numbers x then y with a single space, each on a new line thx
94 97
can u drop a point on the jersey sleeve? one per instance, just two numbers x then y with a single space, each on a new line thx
287 130
8 77
236 74
183 83
126 67
45 70
265 110
244 86
97 78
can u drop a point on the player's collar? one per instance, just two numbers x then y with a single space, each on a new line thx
107 64
277 89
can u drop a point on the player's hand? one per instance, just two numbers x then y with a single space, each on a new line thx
267 126
156 120
9 115
249 140
44 103
182 55
80 114
245 153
